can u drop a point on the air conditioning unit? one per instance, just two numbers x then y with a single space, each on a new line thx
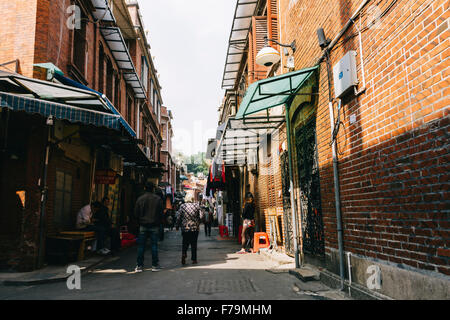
345 74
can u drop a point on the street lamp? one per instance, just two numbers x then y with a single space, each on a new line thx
268 56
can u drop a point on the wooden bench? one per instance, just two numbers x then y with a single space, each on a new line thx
86 236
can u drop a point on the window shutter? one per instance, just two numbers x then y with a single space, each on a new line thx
257 34
272 23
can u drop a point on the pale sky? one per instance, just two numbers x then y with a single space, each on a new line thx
189 40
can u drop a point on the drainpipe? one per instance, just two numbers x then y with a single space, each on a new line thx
337 195
326 56
291 191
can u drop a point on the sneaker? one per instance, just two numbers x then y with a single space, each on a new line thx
103 251
138 269
156 268
242 251
194 262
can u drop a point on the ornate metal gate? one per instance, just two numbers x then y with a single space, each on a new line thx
309 183
287 213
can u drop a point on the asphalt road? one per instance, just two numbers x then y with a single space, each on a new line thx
221 274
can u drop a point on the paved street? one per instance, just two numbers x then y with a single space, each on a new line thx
220 275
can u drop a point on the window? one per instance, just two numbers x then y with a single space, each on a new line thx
80 45
144 73
154 103
151 93
158 112
101 70
117 93
109 79
152 148
129 110
63 200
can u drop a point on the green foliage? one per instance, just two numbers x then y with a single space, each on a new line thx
196 163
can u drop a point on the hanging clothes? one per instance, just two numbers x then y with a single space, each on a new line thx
216 178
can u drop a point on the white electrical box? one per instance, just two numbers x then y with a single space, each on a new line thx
345 74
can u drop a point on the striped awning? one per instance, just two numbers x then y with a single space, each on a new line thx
59 111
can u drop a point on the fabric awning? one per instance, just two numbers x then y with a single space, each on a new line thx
72 83
272 92
59 111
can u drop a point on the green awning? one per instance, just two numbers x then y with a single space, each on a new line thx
273 92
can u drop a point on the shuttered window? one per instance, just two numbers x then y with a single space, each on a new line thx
262 26
257 34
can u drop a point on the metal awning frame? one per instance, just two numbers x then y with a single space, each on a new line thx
130 74
291 92
102 11
236 44
69 100
234 148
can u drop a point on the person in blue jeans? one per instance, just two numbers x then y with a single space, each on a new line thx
149 215
146 232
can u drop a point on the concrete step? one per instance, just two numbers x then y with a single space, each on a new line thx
306 274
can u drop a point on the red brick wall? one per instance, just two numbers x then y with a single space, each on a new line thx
393 161
17 33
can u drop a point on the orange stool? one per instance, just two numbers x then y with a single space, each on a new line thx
260 240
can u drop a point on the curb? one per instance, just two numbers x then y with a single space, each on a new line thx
19 283
357 291
305 275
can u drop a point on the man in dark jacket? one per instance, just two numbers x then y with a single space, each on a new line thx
103 221
149 214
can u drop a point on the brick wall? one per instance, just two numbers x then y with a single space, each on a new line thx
393 160
17 33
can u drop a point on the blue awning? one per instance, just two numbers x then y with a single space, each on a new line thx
59 111
72 83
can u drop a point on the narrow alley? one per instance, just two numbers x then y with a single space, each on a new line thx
221 274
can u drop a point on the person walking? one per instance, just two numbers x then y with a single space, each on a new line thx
189 217
149 214
248 217
208 219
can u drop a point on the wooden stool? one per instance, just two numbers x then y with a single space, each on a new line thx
257 238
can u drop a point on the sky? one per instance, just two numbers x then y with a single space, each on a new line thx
189 40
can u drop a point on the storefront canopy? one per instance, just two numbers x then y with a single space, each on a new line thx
59 111
272 92
111 108
239 140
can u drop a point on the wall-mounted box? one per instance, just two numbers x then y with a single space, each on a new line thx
345 74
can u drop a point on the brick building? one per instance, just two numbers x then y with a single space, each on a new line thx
389 181
79 45
169 177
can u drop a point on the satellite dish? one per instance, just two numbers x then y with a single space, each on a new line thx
267 57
